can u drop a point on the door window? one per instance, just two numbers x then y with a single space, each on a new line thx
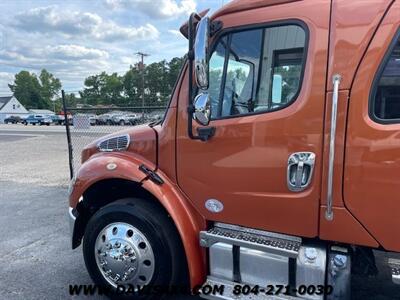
257 70
386 95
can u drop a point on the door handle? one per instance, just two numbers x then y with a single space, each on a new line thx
329 197
300 170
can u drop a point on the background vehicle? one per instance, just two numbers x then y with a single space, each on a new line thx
93 119
12 120
134 118
37 120
287 177
120 119
105 119
57 119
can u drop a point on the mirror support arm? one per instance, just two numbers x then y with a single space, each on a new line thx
190 110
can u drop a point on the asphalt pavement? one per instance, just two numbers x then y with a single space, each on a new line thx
36 260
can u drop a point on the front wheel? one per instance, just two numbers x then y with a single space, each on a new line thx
132 242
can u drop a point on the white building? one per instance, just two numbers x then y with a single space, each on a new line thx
10 106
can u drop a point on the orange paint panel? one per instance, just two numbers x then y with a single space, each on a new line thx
188 222
244 164
240 5
352 27
143 143
344 228
166 144
372 164
95 169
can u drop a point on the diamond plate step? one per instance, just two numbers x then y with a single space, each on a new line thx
251 238
394 264
229 295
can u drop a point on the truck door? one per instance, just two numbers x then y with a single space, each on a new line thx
372 157
262 168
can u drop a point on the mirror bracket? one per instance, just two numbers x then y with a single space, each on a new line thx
215 26
205 133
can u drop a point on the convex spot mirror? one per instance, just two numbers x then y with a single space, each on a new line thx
202 109
201 53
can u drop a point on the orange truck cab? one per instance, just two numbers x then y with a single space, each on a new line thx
277 162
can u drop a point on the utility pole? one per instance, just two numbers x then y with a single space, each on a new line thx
141 68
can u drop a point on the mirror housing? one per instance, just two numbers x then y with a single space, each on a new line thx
201 53
202 109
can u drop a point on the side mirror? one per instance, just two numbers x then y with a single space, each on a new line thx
201 53
202 109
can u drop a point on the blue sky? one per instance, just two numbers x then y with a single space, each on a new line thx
77 38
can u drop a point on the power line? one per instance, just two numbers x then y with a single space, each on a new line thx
141 67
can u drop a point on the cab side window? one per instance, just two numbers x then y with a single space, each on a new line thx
257 70
386 97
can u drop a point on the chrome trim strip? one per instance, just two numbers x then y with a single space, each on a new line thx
329 201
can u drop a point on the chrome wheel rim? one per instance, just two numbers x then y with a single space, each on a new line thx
124 255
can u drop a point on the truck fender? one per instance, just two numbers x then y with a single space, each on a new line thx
126 166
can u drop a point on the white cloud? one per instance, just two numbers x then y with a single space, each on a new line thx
157 9
73 23
75 52
61 52
175 32
76 39
5 79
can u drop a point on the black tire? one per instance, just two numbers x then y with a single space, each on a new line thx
122 123
170 265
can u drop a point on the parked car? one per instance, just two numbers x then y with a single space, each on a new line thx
93 119
12 120
57 119
105 119
37 119
134 119
123 119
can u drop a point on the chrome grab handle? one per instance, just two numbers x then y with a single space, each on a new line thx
335 96
300 170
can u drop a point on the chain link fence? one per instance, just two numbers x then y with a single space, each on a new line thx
88 124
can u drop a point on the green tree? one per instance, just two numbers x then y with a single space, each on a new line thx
91 94
26 88
50 87
111 89
34 92
156 83
175 66
131 86
126 90
103 89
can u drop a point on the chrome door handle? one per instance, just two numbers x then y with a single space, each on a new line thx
300 170
329 197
